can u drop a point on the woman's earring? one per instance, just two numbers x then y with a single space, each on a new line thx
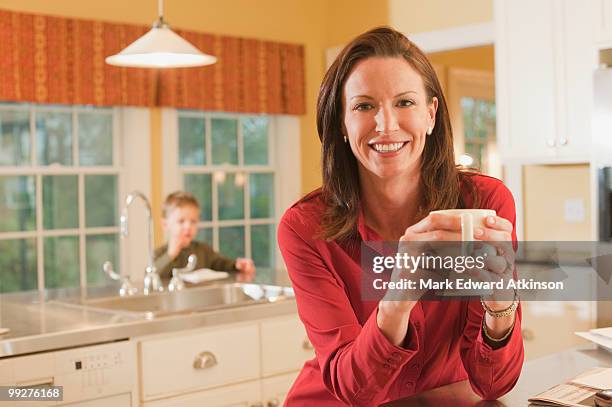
429 130
345 139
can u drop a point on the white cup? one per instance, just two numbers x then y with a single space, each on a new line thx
470 218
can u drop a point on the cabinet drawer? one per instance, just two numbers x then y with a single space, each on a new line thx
274 389
201 360
238 395
284 345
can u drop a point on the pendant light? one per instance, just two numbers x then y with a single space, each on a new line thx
160 48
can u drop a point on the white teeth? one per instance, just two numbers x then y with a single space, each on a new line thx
386 148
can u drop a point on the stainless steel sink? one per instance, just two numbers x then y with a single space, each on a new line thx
196 299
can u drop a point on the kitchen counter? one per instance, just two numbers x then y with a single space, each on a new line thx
537 375
41 321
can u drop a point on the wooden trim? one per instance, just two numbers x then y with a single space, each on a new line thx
466 36
466 82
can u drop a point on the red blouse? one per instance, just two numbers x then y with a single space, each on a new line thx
355 364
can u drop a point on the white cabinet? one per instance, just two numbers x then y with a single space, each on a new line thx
240 395
284 345
603 22
204 359
274 389
544 63
247 364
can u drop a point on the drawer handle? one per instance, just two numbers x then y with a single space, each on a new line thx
306 345
45 381
204 360
273 403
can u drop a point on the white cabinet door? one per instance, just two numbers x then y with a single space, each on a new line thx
240 395
199 360
526 73
274 389
580 62
603 22
545 59
121 400
284 345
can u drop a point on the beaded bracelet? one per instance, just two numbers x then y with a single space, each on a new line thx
502 313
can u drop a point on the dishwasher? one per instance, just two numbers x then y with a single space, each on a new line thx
91 376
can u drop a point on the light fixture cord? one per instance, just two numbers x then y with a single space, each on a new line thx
160 10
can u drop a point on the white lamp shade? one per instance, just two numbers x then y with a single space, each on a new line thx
160 48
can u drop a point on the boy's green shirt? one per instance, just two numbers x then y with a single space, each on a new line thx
207 258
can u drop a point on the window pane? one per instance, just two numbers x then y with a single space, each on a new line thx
224 136
14 138
231 241
61 261
99 249
95 139
255 140
200 186
100 200
17 203
231 197
192 144
54 138
60 202
18 265
262 245
476 151
205 235
261 191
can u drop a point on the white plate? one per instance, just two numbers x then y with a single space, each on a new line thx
202 275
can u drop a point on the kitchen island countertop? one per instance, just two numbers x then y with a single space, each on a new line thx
537 375
39 321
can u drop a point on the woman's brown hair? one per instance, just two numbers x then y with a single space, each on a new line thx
440 178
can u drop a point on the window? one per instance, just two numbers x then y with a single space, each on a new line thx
471 104
59 180
479 130
228 162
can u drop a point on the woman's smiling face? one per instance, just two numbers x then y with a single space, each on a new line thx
386 116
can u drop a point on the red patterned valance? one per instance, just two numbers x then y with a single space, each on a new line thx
45 59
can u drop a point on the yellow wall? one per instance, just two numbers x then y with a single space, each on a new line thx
545 189
349 18
415 16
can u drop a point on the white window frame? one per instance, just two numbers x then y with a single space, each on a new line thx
39 171
284 158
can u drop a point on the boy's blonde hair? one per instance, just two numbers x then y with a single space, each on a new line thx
178 199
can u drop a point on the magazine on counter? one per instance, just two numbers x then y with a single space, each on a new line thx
578 392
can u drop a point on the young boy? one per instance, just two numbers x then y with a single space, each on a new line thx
181 213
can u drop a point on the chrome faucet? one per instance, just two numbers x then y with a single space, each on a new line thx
176 283
152 282
126 285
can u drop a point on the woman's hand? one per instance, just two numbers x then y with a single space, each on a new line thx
497 233
415 241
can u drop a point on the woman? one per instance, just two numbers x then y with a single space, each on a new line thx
387 162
